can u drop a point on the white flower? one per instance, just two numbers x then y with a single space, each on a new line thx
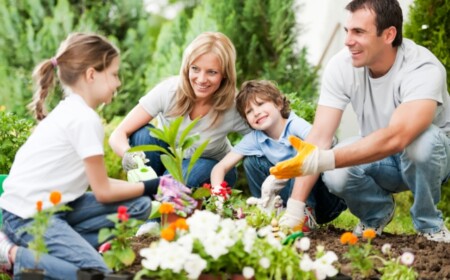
264 262
248 272
306 264
194 266
424 26
264 231
323 266
407 258
252 200
303 244
203 223
214 246
248 239
150 258
386 248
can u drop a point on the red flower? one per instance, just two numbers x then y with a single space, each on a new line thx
122 214
122 209
207 186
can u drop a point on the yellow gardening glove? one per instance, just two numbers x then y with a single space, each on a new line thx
309 160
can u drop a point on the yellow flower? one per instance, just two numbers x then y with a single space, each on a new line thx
349 238
180 224
2 108
39 205
168 234
55 197
369 234
166 208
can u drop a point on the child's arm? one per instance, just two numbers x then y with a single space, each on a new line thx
222 167
109 190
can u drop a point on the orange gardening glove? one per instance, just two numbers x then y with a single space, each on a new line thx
309 160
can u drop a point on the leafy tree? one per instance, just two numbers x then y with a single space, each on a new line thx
32 30
429 26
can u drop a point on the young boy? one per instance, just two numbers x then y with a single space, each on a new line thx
267 111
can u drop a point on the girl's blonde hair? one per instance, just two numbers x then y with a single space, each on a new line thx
77 53
223 100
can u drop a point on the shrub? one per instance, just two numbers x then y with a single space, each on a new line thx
14 131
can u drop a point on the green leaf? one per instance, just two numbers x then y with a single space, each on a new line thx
155 210
201 193
148 148
173 167
188 129
195 156
104 234
126 256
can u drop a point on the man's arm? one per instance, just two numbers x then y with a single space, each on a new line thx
325 125
408 121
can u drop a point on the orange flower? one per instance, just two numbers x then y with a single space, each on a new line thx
168 233
39 206
166 208
55 197
180 223
349 238
369 234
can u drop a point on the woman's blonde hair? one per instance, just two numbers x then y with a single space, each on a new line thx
77 53
220 45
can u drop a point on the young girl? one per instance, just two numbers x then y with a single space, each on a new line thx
65 153
205 89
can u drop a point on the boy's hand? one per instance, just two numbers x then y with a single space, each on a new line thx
270 188
128 161
294 215
309 160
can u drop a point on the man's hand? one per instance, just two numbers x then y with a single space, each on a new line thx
309 160
129 162
270 188
294 215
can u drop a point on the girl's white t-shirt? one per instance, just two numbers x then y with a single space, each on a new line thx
52 158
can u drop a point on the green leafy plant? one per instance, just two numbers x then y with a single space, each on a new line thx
14 131
120 254
40 223
207 243
396 268
359 254
173 156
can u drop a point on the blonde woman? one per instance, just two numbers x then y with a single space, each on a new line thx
205 89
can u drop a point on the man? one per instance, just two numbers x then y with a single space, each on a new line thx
399 93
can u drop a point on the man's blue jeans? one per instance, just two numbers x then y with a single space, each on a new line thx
326 205
71 238
200 173
421 168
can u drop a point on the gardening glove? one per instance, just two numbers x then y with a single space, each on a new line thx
129 160
270 188
141 173
309 160
294 216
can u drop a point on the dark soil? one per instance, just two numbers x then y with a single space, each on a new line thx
432 259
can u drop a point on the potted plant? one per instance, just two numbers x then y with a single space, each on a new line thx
172 157
119 254
37 228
